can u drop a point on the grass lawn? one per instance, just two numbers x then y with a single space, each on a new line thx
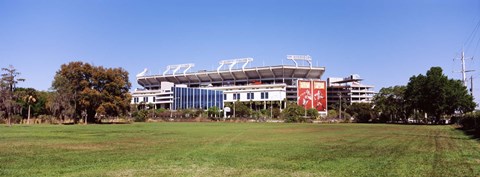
237 149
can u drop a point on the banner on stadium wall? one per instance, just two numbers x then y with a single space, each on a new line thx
320 95
312 94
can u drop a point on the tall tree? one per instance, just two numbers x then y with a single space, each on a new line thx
8 82
362 112
437 95
93 90
391 104
27 98
10 78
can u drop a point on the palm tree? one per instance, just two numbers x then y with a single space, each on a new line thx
29 99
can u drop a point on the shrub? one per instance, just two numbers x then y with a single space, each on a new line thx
293 113
47 119
140 116
469 121
361 111
16 119
241 110
214 112
332 114
276 113
313 113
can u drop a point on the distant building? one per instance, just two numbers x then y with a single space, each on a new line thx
349 89
263 87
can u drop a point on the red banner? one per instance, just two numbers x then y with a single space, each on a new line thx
304 94
320 95
312 94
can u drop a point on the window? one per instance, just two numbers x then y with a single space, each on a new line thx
236 96
154 99
264 95
224 96
250 96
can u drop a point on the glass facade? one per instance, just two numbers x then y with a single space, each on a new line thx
195 98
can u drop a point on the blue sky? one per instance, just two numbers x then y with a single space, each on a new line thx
385 42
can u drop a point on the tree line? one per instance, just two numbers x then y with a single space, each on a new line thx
84 93
432 98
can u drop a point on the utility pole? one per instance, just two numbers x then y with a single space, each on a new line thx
464 70
471 85
464 75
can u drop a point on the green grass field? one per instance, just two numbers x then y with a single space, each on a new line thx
237 149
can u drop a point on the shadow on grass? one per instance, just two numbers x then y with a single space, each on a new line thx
114 123
100 123
472 133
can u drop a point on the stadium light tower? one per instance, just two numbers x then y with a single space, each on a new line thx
175 68
295 58
143 73
233 62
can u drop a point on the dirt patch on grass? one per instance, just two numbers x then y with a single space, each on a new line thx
81 146
304 130
123 143
195 170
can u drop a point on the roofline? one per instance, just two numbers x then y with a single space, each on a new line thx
236 70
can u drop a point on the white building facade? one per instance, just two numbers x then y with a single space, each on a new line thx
266 86
349 90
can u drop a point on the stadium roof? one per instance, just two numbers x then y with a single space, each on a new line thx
243 74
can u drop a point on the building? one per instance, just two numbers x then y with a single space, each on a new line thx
349 90
264 87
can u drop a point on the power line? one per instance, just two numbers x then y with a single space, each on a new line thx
471 37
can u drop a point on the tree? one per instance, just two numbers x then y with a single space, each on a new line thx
276 113
93 90
293 113
362 112
242 110
62 102
332 114
10 78
213 112
390 103
437 95
8 82
458 98
28 97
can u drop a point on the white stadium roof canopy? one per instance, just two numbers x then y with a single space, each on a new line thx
257 73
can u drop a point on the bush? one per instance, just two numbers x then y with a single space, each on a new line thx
214 112
313 113
293 113
16 119
362 112
332 114
469 121
140 116
276 113
242 110
47 119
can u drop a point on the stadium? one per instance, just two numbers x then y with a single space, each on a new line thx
265 87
